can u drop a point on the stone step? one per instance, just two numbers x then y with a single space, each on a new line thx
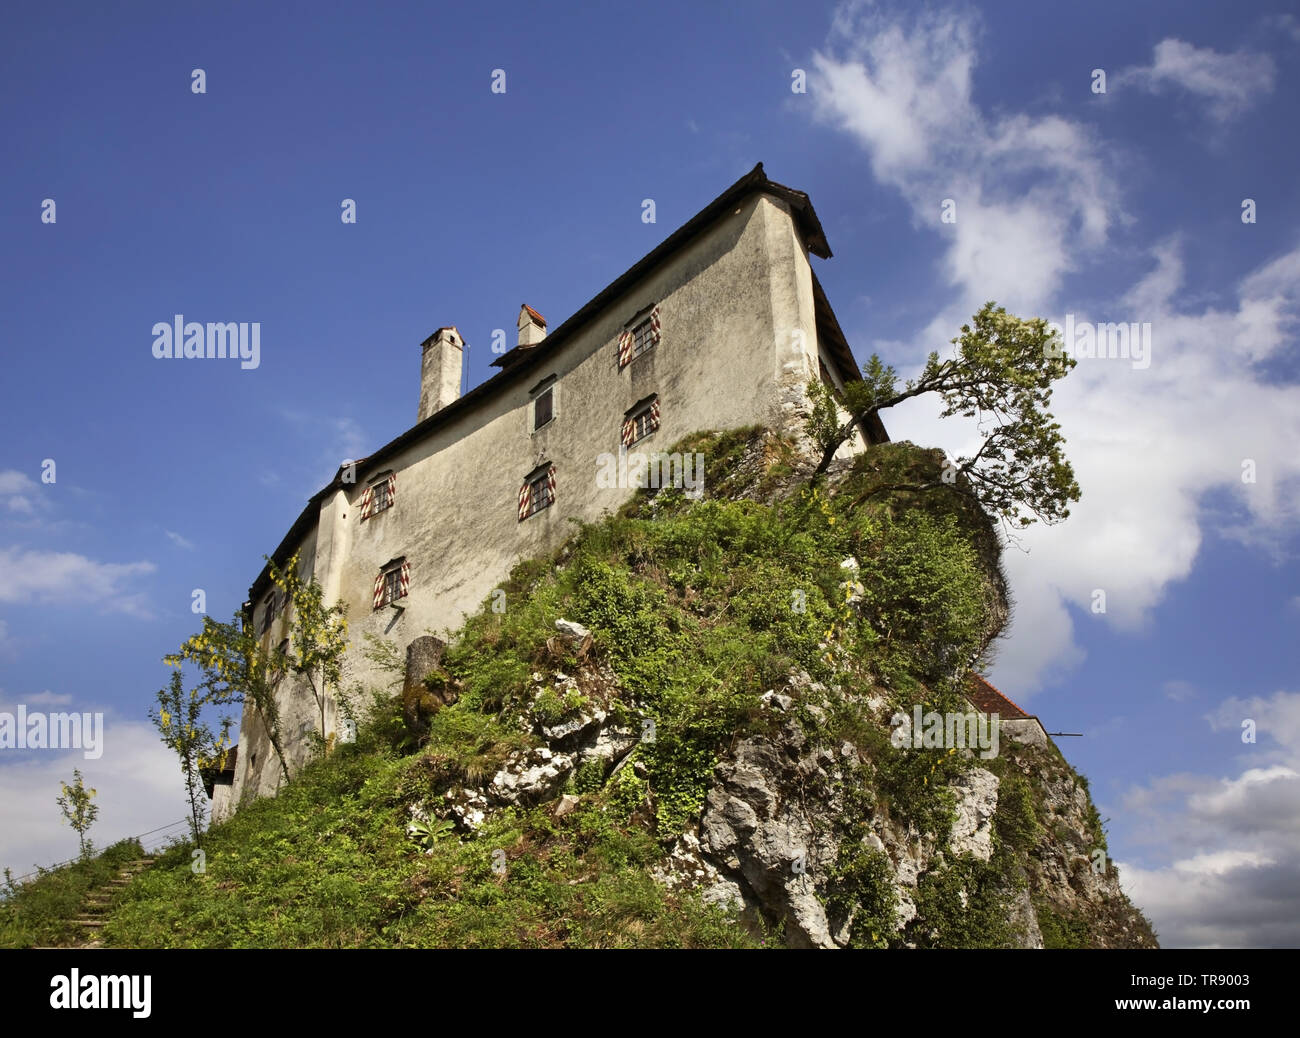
92 923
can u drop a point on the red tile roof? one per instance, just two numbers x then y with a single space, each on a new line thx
535 315
987 699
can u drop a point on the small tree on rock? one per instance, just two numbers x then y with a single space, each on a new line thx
1001 374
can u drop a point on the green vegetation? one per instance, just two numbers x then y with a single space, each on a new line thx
39 913
77 803
696 608
1002 370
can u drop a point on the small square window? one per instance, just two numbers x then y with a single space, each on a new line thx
379 496
641 421
392 587
391 583
538 492
541 492
638 338
644 336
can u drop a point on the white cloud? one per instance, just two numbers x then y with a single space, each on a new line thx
47 576
1145 451
1230 82
1031 193
139 788
19 493
1231 844
178 540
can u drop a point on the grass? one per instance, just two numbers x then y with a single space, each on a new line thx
39 913
696 607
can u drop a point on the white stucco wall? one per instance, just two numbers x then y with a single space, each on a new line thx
729 305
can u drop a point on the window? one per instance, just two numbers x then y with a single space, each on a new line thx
379 496
392 583
641 421
642 336
542 408
538 491
268 613
543 397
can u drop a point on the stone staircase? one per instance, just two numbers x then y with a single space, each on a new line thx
98 900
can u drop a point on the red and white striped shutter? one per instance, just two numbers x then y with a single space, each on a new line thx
367 504
629 431
654 414
550 482
525 500
392 489
379 590
654 327
624 347
406 577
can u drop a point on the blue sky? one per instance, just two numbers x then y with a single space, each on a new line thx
225 206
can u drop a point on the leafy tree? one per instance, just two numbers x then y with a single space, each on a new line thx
319 635
178 718
76 804
1002 374
236 668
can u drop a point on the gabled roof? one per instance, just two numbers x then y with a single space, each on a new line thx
753 181
520 360
988 700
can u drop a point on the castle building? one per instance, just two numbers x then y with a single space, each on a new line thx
722 325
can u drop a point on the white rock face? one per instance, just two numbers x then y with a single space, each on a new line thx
972 832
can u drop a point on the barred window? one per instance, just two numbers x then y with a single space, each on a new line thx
392 585
538 492
643 337
379 496
392 582
640 421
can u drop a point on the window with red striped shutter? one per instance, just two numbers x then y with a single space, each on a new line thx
537 492
643 335
379 496
393 581
640 421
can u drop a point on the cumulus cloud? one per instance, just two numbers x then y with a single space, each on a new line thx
1232 842
1031 193
1028 213
1231 83
48 576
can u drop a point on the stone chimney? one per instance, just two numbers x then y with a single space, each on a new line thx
440 369
532 326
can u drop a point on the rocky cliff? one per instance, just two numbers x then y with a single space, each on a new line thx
726 675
